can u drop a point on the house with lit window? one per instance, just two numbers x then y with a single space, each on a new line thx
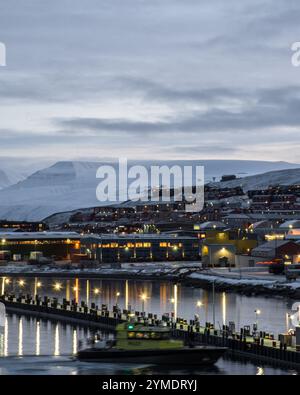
220 248
286 250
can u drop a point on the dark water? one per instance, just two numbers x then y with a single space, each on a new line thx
31 346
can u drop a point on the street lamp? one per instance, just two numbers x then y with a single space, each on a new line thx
117 297
257 313
287 318
172 301
96 291
21 283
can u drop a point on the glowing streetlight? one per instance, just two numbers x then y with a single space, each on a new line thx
7 281
257 313
117 297
21 283
75 289
57 286
143 299
199 304
172 301
38 284
96 291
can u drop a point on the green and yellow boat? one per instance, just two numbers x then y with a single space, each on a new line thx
139 343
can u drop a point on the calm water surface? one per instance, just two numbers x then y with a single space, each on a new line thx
37 346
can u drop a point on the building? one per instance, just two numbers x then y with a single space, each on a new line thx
140 247
23 226
237 220
210 225
219 248
286 250
293 234
56 245
228 177
292 224
274 198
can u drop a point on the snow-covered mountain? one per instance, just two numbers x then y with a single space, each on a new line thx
67 186
10 175
61 187
4 180
261 181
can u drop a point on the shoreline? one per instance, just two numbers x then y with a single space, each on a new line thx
186 275
247 287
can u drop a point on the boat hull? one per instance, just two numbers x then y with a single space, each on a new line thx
182 357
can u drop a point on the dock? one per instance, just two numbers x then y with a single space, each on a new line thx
262 347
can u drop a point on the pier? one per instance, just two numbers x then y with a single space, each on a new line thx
259 345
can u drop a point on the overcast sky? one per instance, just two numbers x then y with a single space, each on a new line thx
149 79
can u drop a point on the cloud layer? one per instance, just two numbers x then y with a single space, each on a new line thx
142 79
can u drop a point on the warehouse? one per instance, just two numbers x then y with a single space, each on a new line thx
140 247
25 245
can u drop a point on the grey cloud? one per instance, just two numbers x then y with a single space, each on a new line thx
220 69
203 149
270 108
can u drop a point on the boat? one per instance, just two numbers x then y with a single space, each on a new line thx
147 344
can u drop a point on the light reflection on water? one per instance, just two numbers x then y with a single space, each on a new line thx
25 335
36 346
164 297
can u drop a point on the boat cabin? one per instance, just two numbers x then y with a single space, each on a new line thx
137 336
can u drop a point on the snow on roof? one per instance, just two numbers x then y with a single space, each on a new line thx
295 223
293 234
261 224
270 245
141 236
212 225
237 216
39 235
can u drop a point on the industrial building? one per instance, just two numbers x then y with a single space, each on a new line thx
220 248
140 247
29 245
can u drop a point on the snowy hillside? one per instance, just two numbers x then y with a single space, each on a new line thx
4 180
61 187
67 186
261 181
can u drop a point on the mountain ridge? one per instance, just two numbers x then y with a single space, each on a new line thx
69 185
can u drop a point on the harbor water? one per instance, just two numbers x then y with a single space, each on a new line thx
38 346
